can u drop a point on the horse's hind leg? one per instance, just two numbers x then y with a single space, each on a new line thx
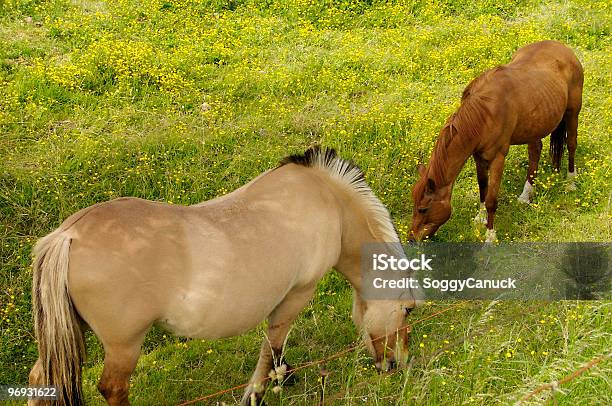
36 374
36 378
120 359
535 151
571 121
271 353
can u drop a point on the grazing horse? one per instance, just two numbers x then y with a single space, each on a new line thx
210 270
538 93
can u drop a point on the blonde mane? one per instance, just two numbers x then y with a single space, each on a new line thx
351 177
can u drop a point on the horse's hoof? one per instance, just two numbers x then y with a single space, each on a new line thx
289 377
391 365
481 218
252 401
524 199
525 196
571 187
253 396
490 236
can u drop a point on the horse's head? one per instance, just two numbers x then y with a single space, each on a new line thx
432 206
385 329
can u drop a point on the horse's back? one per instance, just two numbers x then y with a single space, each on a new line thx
531 65
551 56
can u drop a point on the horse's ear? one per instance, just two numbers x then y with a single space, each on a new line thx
431 186
422 170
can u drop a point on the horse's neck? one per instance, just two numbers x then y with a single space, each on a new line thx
360 231
457 153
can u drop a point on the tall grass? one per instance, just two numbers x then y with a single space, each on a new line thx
182 101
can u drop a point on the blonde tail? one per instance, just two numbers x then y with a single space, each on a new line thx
60 339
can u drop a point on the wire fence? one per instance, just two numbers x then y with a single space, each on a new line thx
326 359
552 386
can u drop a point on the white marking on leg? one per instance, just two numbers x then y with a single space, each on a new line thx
481 217
491 235
525 197
571 184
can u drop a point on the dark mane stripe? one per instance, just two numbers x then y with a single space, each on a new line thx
325 157
309 156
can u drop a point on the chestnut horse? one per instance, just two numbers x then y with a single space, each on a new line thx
537 93
214 269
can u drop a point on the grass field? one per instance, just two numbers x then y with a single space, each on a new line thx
182 101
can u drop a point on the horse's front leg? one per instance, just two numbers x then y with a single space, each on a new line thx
535 150
495 175
271 364
482 174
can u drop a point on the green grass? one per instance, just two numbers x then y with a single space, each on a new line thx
182 101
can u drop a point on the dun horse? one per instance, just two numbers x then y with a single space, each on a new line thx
537 93
211 270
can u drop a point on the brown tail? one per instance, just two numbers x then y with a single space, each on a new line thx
60 339
557 144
